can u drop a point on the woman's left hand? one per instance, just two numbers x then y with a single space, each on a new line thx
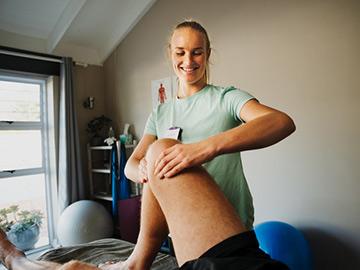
181 156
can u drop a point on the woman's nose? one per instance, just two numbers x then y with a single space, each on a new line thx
188 59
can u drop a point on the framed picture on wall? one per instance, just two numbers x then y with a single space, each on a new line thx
161 91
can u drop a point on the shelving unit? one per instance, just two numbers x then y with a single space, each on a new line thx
99 162
99 166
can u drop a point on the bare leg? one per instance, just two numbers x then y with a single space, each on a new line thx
14 259
153 231
194 207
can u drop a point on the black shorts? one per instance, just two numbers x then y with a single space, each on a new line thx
240 252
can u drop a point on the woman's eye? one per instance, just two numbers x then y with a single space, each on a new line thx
179 53
197 52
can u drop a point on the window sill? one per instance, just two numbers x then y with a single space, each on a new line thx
33 254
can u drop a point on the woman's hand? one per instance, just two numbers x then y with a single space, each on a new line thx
181 156
136 166
143 175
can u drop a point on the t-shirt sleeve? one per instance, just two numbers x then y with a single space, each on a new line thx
235 99
150 126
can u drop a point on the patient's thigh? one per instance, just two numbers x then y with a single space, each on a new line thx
198 214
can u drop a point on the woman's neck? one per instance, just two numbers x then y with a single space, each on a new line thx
187 90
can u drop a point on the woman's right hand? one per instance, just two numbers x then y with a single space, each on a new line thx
136 166
143 178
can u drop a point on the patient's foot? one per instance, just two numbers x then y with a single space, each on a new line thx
8 251
74 265
115 266
131 263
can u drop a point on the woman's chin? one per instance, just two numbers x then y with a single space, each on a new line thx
189 80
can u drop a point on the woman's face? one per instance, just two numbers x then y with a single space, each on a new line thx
189 55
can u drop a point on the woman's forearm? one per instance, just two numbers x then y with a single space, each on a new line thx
131 169
258 133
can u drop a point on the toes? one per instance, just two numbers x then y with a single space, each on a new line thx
106 265
118 265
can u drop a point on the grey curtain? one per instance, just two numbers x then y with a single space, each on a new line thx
70 177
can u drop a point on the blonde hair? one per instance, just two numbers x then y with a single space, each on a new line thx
197 27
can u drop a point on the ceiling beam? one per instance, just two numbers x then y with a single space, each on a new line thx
69 14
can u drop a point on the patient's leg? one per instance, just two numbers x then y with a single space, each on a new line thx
197 213
153 232
16 260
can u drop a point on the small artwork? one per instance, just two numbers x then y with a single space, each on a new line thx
161 91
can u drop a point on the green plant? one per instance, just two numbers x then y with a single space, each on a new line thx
98 126
14 220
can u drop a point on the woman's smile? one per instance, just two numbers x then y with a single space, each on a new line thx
189 56
189 70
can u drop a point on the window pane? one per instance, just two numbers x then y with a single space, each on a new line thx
20 149
19 101
28 192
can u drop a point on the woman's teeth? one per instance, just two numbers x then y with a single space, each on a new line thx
188 69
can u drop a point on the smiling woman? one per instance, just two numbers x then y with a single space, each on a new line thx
211 125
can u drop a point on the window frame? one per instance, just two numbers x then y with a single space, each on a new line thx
48 167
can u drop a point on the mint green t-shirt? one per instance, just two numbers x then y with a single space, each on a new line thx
208 112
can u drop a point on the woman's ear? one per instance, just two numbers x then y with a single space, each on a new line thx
208 53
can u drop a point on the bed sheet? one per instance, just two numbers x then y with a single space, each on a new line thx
103 250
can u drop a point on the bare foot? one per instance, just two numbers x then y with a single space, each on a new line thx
7 250
114 266
131 263
76 265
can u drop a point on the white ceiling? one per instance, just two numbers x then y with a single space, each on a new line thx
87 30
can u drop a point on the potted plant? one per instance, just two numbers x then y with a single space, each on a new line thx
22 227
97 129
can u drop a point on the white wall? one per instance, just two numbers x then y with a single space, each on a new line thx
302 57
22 42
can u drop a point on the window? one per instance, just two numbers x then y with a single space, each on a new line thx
24 148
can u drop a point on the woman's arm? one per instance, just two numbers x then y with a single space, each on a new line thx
135 168
263 127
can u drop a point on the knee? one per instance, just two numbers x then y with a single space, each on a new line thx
157 147
154 152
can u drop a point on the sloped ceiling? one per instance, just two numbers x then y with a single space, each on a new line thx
87 30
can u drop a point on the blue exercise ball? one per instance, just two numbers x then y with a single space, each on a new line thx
84 221
284 243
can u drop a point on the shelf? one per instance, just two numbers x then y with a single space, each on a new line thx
108 147
101 147
100 170
102 197
100 178
130 145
